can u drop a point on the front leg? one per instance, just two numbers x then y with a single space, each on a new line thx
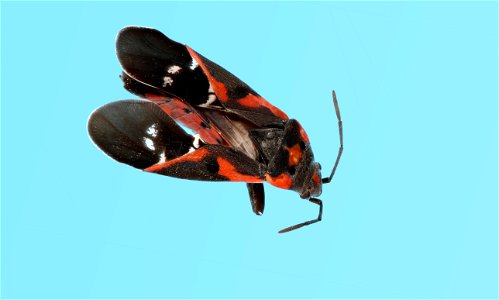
319 218
340 150
257 197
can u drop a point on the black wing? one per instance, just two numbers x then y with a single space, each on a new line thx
140 134
223 106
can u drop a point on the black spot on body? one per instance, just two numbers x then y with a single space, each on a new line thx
292 170
187 110
279 163
212 165
204 125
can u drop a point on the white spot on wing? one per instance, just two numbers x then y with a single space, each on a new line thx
195 143
153 130
173 69
149 143
194 64
162 158
211 97
196 140
167 80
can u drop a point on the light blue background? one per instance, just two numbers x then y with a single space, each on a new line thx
412 212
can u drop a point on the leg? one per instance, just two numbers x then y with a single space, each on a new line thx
340 150
257 197
313 200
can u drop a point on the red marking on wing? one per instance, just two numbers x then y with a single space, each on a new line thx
220 89
153 97
195 156
258 101
228 170
187 116
282 181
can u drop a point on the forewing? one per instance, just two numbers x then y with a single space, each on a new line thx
140 134
150 57
213 163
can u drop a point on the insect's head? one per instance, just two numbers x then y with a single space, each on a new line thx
298 159
312 185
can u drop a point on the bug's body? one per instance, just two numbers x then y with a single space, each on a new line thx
239 135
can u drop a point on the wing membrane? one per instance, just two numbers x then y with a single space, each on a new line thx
138 133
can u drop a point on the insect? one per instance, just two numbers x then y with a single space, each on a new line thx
238 135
